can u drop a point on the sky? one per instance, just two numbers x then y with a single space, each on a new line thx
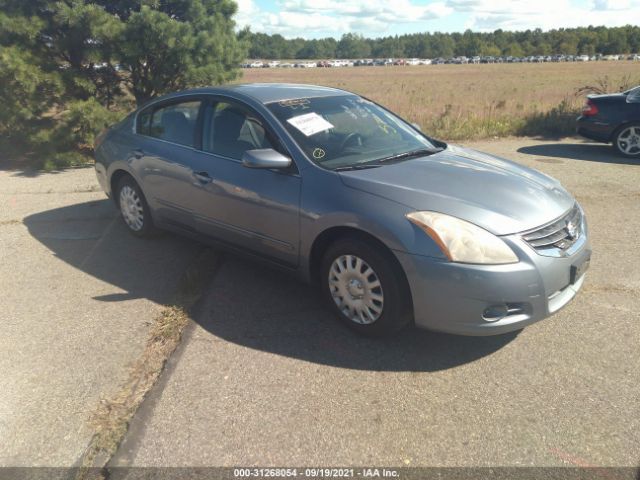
378 18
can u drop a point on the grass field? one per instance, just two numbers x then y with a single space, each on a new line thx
460 102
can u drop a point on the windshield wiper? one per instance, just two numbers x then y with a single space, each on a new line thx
361 166
377 163
413 153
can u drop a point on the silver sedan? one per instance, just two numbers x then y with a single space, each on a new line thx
394 226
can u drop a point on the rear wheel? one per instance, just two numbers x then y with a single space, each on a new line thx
134 208
627 140
365 288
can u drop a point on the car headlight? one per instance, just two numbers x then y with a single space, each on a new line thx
462 241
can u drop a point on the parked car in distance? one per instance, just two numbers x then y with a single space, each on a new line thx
394 226
613 118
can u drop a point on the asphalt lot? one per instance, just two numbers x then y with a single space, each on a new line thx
264 376
78 293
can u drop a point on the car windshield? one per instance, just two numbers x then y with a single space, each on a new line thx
347 131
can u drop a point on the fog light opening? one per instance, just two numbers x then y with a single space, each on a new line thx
495 313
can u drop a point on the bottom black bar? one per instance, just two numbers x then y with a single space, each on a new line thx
404 473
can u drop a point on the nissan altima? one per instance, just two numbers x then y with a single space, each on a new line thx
393 226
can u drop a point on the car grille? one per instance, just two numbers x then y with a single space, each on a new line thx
561 234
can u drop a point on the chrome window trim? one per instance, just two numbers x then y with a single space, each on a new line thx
203 97
167 141
161 100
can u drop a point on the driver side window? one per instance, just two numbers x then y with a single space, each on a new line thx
229 130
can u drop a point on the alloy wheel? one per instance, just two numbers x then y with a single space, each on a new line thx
629 141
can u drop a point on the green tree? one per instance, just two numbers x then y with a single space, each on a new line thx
27 91
443 45
616 42
514 50
352 45
488 49
179 44
389 47
425 47
161 45
57 54
469 44
589 40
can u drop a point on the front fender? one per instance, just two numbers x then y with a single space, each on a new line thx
326 208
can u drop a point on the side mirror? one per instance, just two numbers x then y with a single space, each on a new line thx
265 158
416 126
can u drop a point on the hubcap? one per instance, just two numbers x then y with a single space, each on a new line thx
131 208
629 140
356 289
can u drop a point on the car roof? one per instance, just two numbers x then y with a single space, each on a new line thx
269 92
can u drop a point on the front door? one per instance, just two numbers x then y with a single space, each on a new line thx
255 209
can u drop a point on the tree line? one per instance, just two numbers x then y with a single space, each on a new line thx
569 41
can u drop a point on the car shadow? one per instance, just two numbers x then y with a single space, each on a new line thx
589 152
245 303
90 237
266 310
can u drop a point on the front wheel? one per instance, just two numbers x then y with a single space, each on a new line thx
365 288
134 208
627 140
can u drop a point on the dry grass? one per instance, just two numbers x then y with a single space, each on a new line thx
10 222
111 419
456 102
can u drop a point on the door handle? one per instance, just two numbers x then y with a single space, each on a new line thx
203 177
138 153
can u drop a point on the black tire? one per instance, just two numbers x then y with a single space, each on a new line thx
397 309
619 136
146 228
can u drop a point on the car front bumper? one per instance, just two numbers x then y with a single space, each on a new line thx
453 297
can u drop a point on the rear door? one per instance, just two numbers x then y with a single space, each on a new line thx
169 134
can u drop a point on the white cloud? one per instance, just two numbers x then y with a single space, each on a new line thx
333 18
247 13
606 5
373 18
488 15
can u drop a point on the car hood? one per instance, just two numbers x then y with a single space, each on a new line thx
496 194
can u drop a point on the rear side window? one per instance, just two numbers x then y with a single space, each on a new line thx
144 122
174 123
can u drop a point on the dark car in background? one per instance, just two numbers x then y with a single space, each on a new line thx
613 118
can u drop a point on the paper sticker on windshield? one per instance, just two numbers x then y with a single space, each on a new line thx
296 103
310 123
